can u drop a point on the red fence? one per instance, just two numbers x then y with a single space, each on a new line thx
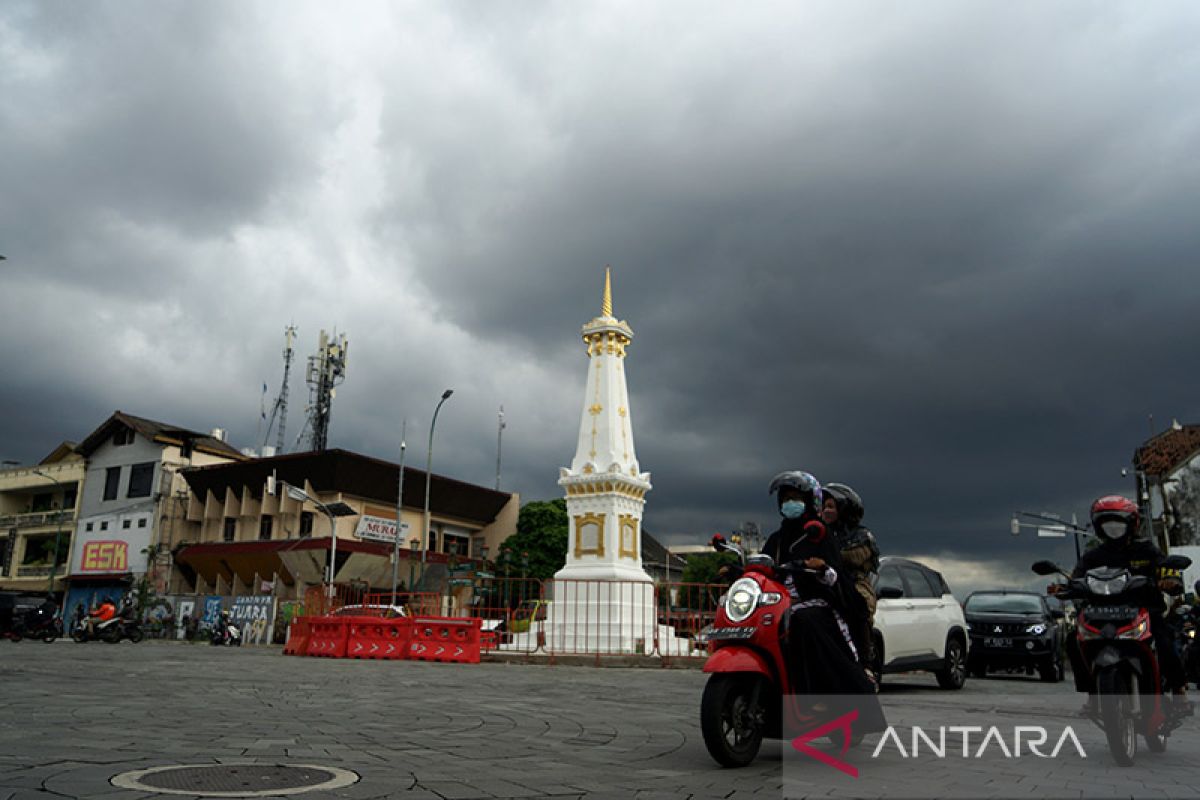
553 617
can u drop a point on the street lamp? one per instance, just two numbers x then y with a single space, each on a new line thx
399 516
1058 529
331 510
429 479
58 531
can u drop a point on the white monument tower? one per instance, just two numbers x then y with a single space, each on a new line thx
603 598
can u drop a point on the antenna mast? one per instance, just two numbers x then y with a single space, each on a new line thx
326 370
279 408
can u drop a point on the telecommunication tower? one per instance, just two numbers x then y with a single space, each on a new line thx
326 370
279 409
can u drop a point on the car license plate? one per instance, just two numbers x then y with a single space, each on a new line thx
997 642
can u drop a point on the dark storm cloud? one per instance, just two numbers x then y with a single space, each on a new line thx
945 253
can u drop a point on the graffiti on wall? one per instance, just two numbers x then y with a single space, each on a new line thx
252 615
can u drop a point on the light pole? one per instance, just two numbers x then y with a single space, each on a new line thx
499 440
399 516
1057 530
58 531
331 510
413 546
429 480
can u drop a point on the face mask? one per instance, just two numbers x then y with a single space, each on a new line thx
792 509
1115 529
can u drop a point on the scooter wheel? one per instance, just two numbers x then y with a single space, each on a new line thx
731 719
50 638
136 635
1119 727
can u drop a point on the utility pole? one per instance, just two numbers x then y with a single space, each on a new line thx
399 517
499 436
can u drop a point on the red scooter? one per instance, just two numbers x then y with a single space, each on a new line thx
1115 640
744 698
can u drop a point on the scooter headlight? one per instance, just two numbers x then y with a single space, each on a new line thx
742 599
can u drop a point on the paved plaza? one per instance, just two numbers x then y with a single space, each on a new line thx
76 715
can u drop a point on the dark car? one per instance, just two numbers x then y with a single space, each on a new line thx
1014 631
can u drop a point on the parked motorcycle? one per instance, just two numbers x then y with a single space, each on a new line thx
743 701
225 632
42 623
1113 631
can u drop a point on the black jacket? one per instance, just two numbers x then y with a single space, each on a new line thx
1139 556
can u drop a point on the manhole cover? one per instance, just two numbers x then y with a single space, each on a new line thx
235 780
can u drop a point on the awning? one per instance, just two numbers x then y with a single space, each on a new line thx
305 560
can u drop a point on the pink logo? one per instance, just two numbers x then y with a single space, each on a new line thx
842 723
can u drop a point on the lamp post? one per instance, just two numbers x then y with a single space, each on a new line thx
399 517
331 510
1056 530
429 480
412 563
58 531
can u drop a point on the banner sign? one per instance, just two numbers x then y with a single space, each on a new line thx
378 529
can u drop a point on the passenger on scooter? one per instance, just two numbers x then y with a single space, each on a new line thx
821 654
842 513
1115 520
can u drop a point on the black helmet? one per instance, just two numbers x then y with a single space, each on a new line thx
806 483
850 505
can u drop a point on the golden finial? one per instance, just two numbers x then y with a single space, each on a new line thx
606 307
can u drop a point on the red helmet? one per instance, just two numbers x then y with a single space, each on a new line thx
1115 517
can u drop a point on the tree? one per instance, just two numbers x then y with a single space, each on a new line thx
539 547
703 567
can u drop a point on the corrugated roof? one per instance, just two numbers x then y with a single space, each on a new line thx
1169 450
362 476
157 432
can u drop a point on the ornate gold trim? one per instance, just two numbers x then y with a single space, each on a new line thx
589 519
631 522
607 487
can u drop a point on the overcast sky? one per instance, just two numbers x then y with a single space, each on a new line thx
944 252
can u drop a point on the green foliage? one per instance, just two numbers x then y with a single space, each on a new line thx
703 567
539 547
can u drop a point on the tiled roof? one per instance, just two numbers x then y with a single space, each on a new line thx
1169 450
156 432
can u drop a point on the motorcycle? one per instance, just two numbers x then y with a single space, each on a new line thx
226 633
42 624
1114 636
124 628
743 701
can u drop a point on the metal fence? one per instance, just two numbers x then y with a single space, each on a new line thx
553 618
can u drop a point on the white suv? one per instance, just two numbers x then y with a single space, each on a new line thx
918 623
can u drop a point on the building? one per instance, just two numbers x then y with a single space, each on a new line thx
237 536
1168 484
131 506
38 508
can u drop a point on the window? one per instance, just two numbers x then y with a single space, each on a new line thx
142 522
918 585
42 502
264 527
104 526
112 480
70 496
123 437
141 478
889 578
230 532
88 527
185 449
125 524
306 524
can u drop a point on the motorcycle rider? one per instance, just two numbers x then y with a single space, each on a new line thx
1115 520
101 613
821 655
842 513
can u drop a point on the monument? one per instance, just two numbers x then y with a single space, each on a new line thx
603 600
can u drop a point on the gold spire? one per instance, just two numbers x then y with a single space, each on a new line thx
606 307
